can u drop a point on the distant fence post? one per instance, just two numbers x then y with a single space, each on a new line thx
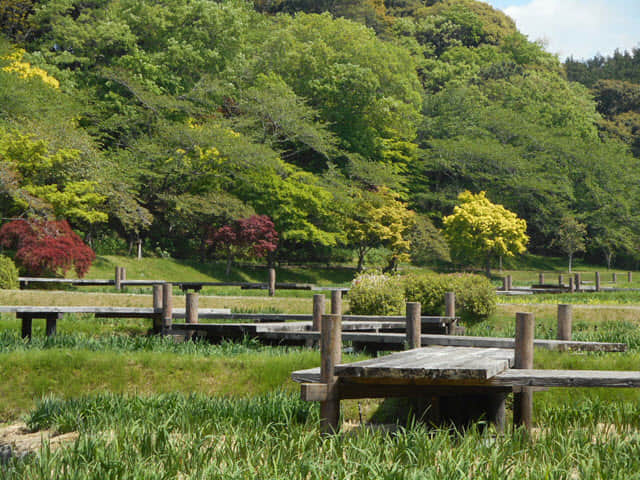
509 282
336 302
272 282
560 280
572 285
191 311
118 278
318 311
414 325
565 320
523 399
167 307
504 284
578 282
449 304
629 277
330 356
123 274
157 307
614 277
541 278
597 281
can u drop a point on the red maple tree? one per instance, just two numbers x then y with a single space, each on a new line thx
46 247
253 236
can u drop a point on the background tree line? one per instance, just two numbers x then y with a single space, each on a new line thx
351 124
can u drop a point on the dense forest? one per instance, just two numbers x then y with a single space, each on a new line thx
352 124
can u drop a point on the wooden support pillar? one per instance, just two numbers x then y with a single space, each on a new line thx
496 410
509 282
123 275
52 323
614 277
157 307
449 304
578 282
336 302
565 319
504 284
118 278
167 307
629 277
272 282
318 312
597 281
414 325
572 285
523 398
191 311
541 278
27 326
560 280
330 356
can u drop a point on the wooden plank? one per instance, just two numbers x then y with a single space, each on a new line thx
314 392
568 378
433 363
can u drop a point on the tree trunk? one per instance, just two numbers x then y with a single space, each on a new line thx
361 254
139 248
487 267
500 263
130 247
608 255
570 258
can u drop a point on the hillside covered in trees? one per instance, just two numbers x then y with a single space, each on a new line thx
351 124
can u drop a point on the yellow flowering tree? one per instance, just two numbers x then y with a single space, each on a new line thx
26 71
479 230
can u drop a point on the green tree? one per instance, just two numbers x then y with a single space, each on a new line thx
571 237
479 230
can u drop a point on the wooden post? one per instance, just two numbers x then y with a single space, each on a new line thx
27 326
523 398
614 277
541 278
578 282
118 278
167 307
52 323
509 282
504 284
318 312
449 304
336 302
191 307
123 274
157 307
565 318
560 280
414 325
330 356
597 281
572 285
629 277
272 282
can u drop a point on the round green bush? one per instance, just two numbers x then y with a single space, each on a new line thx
376 294
475 295
8 274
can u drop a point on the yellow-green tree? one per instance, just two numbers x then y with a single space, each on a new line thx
379 219
479 230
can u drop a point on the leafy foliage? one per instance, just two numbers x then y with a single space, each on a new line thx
480 230
8 273
374 293
46 247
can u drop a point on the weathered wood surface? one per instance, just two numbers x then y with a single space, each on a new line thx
396 321
518 378
106 312
398 339
433 363
283 329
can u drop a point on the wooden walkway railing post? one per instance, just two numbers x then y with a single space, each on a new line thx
523 398
330 356
414 325
157 306
191 311
572 285
541 278
629 277
560 280
272 282
597 281
614 277
167 307
118 278
336 302
565 318
318 312
578 282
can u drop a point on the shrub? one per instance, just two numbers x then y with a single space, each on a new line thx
475 295
8 274
376 294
